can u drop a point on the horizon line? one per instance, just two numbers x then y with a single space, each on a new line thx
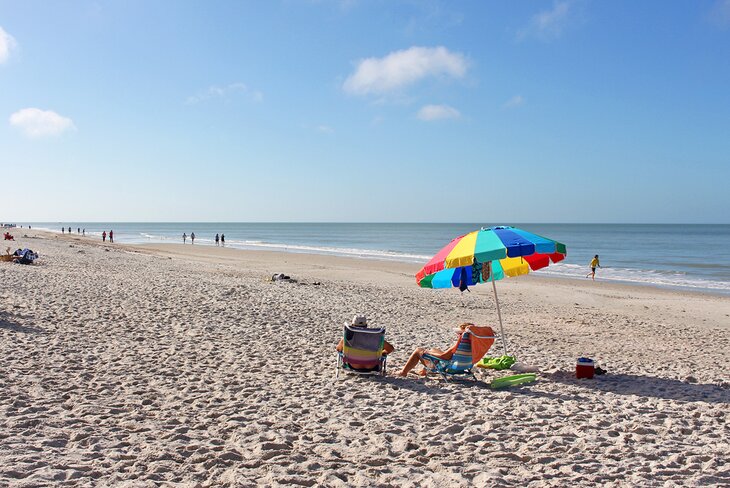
348 222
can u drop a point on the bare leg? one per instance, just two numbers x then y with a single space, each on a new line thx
412 361
417 357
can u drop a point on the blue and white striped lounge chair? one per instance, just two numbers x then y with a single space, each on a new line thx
473 344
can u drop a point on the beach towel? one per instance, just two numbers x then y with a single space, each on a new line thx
499 363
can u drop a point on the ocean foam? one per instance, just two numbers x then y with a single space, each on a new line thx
331 251
638 276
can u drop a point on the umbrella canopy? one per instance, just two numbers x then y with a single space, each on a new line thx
511 251
489 254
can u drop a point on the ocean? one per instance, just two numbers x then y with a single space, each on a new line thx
679 256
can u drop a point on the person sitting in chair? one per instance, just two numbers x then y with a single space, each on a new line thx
417 355
362 321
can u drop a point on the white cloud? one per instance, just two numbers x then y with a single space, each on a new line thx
516 101
7 44
227 91
437 112
548 24
35 122
402 68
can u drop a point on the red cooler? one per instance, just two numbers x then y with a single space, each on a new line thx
584 368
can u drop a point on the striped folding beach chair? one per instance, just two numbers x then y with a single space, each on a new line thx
472 346
362 351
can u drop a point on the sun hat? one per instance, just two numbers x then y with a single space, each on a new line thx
359 321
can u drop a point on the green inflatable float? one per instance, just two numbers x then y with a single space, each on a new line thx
518 379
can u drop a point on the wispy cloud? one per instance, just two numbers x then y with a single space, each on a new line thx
430 113
325 129
7 44
344 5
516 101
226 92
34 122
402 68
321 128
377 120
347 4
720 13
430 17
548 24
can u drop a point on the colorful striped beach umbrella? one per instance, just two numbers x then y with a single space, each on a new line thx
489 254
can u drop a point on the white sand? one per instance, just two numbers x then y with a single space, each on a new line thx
124 366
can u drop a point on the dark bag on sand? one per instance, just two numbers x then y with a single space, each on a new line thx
27 256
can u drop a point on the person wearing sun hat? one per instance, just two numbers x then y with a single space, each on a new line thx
362 322
359 321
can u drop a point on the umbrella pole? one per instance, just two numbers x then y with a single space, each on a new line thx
499 314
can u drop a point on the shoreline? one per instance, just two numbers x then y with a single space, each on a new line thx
314 259
345 270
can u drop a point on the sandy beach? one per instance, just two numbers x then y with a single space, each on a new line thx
171 365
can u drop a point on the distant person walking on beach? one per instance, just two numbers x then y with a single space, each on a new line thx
78 230
216 239
111 236
83 232
223 239
185 236
103 236
594 263
63 230
69 229
192 238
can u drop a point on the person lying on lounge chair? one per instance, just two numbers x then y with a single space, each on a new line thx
417 355
361 321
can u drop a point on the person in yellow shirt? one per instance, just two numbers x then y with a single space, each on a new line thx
594 263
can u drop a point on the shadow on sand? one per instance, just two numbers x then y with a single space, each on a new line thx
621 384
648 386
431 385
7 323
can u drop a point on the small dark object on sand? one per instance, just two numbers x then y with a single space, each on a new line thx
282 277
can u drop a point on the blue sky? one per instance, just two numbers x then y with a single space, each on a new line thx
555 111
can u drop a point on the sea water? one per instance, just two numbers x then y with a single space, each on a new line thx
684 256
